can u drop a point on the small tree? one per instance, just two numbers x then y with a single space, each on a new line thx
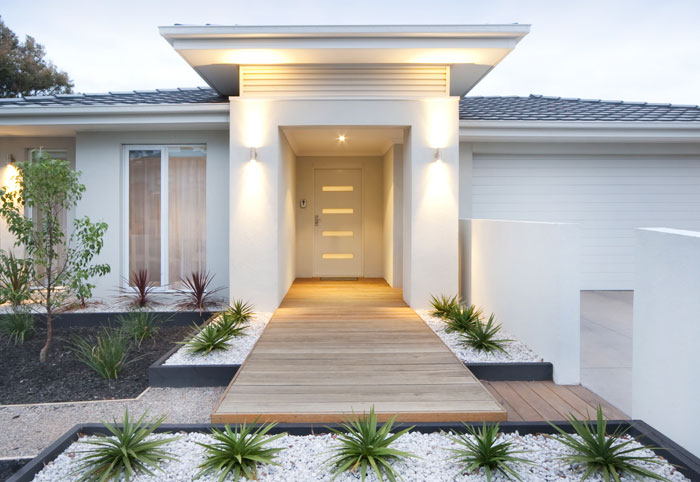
61 264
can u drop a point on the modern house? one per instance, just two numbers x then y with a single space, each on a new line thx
352 151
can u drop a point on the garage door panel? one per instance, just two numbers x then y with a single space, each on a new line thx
609 196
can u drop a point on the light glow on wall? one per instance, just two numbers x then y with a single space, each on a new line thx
254 122
255 57
9 178
438 116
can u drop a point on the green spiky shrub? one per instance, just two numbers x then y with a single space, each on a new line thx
241 310
480 449
482 337
17 326
208 338
140 325
231 323
608 454
365 446
106 354
462 319
443 305
15 274
238 451
126 452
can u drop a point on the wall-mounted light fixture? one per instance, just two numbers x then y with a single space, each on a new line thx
11 159
437 157
253 155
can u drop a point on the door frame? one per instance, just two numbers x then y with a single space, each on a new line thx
334 167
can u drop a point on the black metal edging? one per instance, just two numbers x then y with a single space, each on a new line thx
181 376
90 319
687 463
513 372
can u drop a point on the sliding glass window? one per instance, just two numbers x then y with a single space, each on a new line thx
166 195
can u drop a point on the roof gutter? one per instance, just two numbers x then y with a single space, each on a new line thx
578 131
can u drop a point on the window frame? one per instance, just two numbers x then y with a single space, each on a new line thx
165 281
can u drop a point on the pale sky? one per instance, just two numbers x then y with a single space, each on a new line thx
644 50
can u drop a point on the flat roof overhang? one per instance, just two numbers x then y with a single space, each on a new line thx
216 52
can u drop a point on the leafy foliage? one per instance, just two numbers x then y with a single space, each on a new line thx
482 336
126 452
15 274
598 452
24 70
208 338
479 449
139 293
106 354
363 445
18 326
239 451
444 305
140 325
462 319
62 264
197 294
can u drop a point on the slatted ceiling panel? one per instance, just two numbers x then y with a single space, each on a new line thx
338 80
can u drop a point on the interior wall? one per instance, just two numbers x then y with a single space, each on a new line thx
372 212
18 147
392 206
287 216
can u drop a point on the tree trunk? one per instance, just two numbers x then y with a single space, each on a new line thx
43 355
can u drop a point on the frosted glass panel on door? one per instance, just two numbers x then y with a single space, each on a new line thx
187 224
144 213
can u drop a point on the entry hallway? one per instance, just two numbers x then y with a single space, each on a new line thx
338 347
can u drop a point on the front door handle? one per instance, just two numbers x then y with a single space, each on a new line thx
316 220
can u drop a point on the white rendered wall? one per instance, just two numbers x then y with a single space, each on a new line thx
99 157
528 275
372 214
19 147
288 220
608 189
431 194
392 206
665 355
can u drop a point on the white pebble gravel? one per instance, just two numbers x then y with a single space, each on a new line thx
238 349
516 351
304 456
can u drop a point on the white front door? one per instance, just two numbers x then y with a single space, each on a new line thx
337 223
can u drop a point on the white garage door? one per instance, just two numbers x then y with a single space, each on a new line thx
608 196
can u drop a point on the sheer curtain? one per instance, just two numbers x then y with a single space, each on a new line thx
186 212
144 213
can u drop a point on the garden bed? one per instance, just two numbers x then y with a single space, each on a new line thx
64 378
306 449
515 351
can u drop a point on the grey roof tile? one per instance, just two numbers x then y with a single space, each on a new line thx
548 108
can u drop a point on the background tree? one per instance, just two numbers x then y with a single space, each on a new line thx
25 71
61 264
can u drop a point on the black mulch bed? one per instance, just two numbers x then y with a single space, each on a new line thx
9 467
23 379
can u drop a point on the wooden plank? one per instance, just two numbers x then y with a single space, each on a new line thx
334 348
546 411
555 401
519 405
513 415
594 400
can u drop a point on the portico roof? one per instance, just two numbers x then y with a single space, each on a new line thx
217 52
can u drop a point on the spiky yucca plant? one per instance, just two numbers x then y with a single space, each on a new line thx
139 292
239 451
363 445
482 450
208 338
443 305
482 337
126 452
140 325
196 292
106 354
231 323
241 310
461 319
607 454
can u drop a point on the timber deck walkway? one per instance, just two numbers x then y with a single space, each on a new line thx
337 347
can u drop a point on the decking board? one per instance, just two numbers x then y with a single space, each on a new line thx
338 347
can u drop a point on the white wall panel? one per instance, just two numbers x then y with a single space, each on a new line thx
609 195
